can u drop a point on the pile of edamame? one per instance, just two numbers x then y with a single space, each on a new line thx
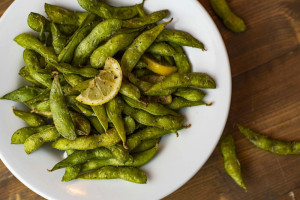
108 141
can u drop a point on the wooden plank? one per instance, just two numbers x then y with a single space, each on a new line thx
266 99
4 5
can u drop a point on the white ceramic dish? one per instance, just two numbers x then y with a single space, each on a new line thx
178 159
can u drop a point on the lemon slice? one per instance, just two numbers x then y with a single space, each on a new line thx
158 68
103 87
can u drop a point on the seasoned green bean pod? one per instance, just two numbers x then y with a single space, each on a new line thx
178 103
24 72
162 49
66 68
130 125
267 144
31 119
73 79
97 125
129 90
190 94
23 94
119 152
143 21
71 173
58 39
109 138
231 20
20 136
101 115
181 59
34 142
145 145
38 22
231 162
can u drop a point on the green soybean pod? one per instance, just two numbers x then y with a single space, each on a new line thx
29 41
58 39
38 22
141 65
231 20
101 114
191 94
43 106
64 16
101 32
111 47
66 68
131 174
139 73
66 54
114 113
109 138
130 125
106 11
177 80
24 72
31 119
97 125
162 49
34 142
73 79
271 145
80 157
119 152
231 162
129 90
178 103
67 30
146 145
180 37
71 173
22 134
152 108
61 115
134 52
143 21
82 125
181 59
23 94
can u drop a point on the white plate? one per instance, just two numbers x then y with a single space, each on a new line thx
178 159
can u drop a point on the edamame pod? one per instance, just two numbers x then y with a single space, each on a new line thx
111 47
61 115
96 124
178 103
109 138
24 72
146 145
143 21
31 119
190 94
71 173
271 145
134 52
34 142
129 125
80 157
29 41
23 94
230 20
114 113
231 162
101 115
73 79
130 90
162 49
152 108
101 32
178 80
38 22
180 37
181 59
106 11
58 39
119 152
81 124
66 68
20 136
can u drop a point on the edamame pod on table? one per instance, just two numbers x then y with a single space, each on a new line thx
129 90
34 142
58 39
143 21
31 119
38 22
106 11
178 103
231 20
191 94
137 160
134 52
180 37
80 157
61 115
131 174
20 136
114 113
66 55
64 16
178 80
181 59
231 162
101 32
29 41
111 47
152 108
109 138
271 145
23 94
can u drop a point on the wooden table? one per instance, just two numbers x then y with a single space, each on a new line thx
265 64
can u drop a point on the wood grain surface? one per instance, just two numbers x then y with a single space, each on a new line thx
265 64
